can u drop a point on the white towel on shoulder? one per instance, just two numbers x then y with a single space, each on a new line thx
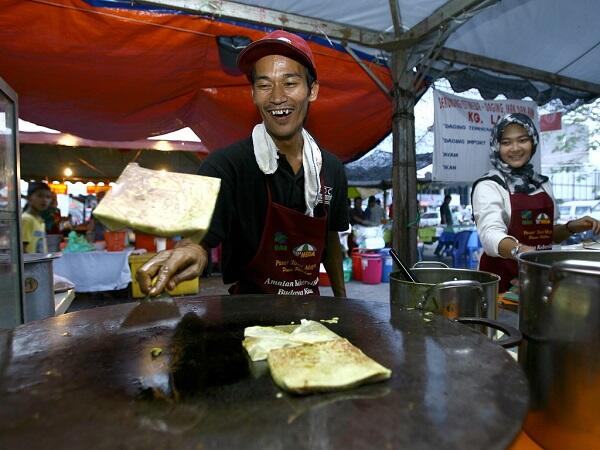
265 152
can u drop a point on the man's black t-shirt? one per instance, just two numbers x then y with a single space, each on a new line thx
239 216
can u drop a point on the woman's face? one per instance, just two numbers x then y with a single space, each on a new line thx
516 146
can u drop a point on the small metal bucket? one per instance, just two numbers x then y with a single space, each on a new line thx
449 292
39 286
467 296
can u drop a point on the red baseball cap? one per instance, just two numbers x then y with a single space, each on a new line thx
278 42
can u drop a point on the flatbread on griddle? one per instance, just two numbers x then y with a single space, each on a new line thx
324 366
259 341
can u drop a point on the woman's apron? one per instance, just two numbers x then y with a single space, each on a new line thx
531 223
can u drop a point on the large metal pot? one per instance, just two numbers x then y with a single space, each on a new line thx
560 319
448 292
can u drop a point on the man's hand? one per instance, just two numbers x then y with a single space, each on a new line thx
333 264
185 262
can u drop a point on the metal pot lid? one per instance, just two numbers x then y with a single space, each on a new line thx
40 257
81 381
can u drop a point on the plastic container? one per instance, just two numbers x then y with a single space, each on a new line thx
387 265
324 279
323 276
184 288
148 241
160 243
53 242
347 266
356 265
115 240
371 268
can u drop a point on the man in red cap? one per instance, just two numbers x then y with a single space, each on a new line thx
282 199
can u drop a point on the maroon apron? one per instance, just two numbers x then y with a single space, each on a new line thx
531 223
288 256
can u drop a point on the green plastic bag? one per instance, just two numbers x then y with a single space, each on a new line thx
77 243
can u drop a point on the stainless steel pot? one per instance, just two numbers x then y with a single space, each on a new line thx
444 291
559 317
39 286
468 296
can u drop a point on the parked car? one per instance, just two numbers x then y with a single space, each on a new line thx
430 219
578 208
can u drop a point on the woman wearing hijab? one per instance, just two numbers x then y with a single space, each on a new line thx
513 205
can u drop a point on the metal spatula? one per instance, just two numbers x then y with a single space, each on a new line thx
150 310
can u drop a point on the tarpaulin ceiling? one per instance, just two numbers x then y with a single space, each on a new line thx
45 161
126 74
375 169
46 155
538 48
115 70
558 37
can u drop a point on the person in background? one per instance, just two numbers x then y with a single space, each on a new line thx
445 213
95 225
66 225
33 225
376 213
282 200
370 202
513 205
52 217
446 222
357 215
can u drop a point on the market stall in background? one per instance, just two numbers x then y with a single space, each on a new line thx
162 64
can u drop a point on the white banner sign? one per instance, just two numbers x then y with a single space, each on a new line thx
462 130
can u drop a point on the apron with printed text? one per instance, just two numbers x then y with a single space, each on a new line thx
289 254
531 223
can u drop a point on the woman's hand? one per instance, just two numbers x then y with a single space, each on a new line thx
526 248
584 223
509 244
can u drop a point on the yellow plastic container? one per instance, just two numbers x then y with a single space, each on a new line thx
427 234
184 288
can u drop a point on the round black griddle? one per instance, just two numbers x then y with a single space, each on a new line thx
82 381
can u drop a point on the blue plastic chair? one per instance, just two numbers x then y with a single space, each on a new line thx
473 247
459 253
446 243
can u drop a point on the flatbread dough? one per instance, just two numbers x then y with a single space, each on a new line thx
309 358
159 203
259 341
324 366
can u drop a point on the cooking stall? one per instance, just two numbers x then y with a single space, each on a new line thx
185 381
26 281
11 262
559 314
99 372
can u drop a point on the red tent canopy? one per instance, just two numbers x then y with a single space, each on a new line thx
121 75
